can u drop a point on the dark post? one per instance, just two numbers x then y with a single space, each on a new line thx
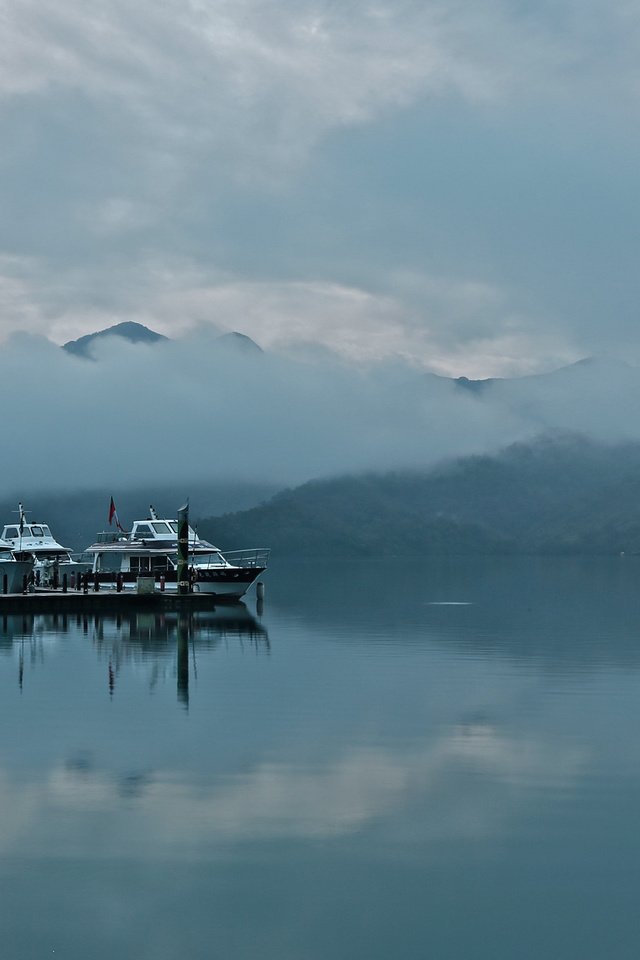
96 583
25 583
64 583
183 549
5 583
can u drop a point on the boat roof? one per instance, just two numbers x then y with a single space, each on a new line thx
152 535
34 536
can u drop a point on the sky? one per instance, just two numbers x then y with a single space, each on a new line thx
450 184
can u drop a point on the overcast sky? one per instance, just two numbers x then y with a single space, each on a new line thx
450 181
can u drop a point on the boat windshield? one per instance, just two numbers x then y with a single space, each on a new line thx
207 559
6 555
161 527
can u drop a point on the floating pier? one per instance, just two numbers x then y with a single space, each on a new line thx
42 600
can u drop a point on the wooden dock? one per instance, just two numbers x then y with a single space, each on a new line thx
57 601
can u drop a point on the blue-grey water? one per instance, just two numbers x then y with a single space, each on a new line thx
395 759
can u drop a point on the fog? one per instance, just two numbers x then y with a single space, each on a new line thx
196 409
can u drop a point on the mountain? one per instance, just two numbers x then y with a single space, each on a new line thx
128 330
240 342
588 368
138 333
562 495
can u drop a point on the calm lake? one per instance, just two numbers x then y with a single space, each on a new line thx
394 760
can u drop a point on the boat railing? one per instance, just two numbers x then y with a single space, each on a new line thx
110 536
257 557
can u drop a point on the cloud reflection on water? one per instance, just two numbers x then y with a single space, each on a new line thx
169 815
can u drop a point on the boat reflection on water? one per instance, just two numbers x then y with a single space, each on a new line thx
154 641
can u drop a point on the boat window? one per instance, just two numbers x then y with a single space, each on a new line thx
12 533
174 526
139 564
46 531
37 532
159 564
6 555
161 527
109 561
143 528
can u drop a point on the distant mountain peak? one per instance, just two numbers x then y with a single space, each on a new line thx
138 333
127 330
239 340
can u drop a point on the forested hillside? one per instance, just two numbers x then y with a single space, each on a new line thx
553 496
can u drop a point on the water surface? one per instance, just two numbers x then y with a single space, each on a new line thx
394 759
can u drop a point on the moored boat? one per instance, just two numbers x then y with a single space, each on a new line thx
14 570
151 550
35 544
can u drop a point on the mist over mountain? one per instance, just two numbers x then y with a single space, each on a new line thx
555 495
209 409
133 332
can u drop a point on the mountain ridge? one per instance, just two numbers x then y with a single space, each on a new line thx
556 495
127 330
134 332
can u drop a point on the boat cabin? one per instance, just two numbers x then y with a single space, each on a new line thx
150 548
158 530
36 539
30 531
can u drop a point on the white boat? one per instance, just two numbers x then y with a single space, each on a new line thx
14 570
151 550
34 543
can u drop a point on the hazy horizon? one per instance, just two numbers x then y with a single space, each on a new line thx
200 409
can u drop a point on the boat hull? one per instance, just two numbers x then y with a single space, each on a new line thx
15 571
224 583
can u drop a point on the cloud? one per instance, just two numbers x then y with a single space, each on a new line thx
236 415
265 79
453 326
173 163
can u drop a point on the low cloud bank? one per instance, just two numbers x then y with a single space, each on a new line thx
195 409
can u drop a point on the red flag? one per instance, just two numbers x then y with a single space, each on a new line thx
113 515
